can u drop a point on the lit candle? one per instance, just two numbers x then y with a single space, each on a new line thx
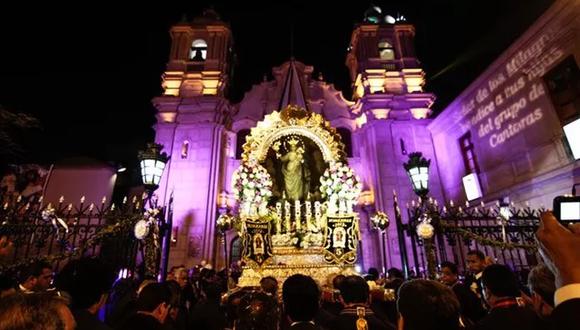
317 213
279 210
466 203
297 214
308 207
82 199
104 200
342 207
278 225
349 206
287 216
451 203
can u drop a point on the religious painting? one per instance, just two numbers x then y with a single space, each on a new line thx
257 245
295 164
341 239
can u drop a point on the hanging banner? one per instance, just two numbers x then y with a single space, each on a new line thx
257 244
342 236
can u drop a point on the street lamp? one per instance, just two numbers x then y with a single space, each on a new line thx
418 170
152 162
380 222
224 223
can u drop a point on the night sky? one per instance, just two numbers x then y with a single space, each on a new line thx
88 72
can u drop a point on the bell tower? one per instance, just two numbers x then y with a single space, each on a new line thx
192 115
200 57
381 58
392 113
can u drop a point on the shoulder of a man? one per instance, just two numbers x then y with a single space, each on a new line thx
567 314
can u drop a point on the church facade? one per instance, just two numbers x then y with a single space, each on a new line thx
388 118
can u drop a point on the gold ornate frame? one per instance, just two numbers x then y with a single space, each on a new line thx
293 120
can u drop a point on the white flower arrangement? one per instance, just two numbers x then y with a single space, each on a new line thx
380 220
251 185
143 226
224 222
425 229
339 184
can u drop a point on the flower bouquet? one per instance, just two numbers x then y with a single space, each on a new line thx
252 186
341 187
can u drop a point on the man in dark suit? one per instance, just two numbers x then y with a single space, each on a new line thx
37 277
427 305
301 298
501 291
560 249
354 293
88 282
471 308
542 285
152 308
475 265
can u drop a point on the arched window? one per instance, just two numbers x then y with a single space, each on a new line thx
240 140
386 51
198 51
345 136
184 149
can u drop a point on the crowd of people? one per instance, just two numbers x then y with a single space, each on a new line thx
86 294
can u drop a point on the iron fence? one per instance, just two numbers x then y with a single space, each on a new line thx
57 233
506 234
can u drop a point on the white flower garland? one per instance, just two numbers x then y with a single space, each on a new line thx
251 186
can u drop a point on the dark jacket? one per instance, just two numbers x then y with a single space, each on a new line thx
347 318
139 321
207 315
511 318
469 303
566 316
88 321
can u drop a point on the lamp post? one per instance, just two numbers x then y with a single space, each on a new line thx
224 223
417 168
418 171
380 222
152 162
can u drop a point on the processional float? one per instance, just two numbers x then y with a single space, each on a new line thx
296 196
